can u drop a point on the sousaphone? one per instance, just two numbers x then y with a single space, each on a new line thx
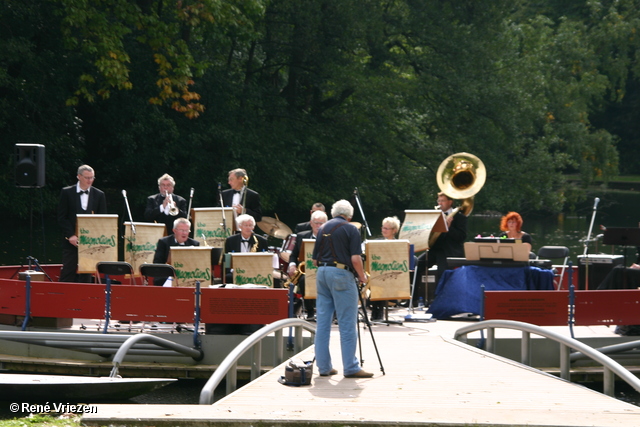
460 176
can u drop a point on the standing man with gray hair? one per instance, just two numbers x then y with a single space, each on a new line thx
337 254
159 206
240 197
81 198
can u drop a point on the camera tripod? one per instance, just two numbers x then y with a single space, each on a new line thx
367 322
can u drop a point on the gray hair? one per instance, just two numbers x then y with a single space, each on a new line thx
342 208
319 215
167 177
181 221
86 168
241 219
238 172
393 221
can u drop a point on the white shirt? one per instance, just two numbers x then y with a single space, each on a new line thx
84 198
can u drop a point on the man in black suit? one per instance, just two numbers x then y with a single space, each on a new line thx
180 237
159 205
81 198
304 226
451 243
240 197
318 218
246 240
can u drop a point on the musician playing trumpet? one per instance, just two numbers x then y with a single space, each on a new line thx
165 207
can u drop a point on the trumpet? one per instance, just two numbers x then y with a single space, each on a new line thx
173 209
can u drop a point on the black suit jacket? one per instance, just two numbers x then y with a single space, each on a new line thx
69 206
233 243
164 247
153 213
449 244
303 226
295 252
252 204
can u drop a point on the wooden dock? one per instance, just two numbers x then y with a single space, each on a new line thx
430 380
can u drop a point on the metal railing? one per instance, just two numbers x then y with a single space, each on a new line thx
228 367
609 365
101 344
195 353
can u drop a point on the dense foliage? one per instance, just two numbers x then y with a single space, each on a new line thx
317 97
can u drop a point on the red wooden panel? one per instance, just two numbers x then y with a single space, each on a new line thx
244 306
12 297
152 303
67 300
542 308
608 307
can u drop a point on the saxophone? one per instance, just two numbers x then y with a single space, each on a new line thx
295 278
254 248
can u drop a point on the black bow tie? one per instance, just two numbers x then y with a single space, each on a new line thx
236 191
245 240
84 191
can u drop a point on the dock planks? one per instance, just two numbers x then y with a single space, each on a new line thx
430 379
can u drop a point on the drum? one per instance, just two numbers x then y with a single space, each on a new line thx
287 246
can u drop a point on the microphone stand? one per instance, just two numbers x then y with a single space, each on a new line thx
224 218
133 226
586 245
357 196
190 202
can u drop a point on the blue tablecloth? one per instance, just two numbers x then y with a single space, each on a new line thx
459 290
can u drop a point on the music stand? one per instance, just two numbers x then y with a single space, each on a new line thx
622 236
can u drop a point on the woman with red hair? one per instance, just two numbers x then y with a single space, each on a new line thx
511 226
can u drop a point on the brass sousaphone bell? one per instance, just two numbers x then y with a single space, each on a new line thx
460 176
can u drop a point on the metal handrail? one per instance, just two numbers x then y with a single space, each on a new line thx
195 353
228 367
610 366
89 342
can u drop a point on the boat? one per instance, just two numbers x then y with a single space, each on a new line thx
54 327
38 387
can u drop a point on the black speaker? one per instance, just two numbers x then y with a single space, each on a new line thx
29 165
599 266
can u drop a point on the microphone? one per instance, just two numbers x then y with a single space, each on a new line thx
595 203
191 194
124 193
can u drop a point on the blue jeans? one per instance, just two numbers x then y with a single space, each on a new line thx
337 291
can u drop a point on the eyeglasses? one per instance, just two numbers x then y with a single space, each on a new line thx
182 230
317 222
88 178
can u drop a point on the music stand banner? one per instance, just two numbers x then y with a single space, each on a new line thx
310 270
192 263
207 225
388 266
97 241
139 248
418 225
254 268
